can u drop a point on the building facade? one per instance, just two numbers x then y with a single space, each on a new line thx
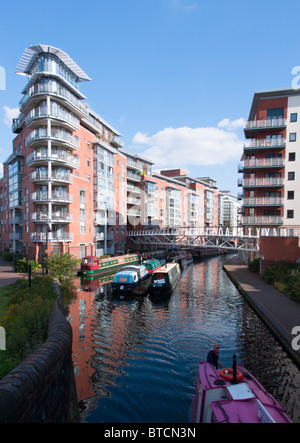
70 186
270 161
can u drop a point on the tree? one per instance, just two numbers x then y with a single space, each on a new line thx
62 267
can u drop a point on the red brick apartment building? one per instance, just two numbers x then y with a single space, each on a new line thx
69 186
270 162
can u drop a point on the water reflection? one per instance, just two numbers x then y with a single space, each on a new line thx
136 360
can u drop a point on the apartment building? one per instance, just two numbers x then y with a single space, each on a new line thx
270 161
48 184
70 186
232 210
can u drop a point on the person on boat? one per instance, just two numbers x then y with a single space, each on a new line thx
213 356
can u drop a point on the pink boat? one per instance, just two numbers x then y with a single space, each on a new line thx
233 396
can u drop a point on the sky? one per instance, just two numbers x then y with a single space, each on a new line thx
175 77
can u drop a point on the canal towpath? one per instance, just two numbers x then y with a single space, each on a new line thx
8 274
276 309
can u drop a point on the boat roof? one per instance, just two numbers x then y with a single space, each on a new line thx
245 398
165 268
90 256
125 273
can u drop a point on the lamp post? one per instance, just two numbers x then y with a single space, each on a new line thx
47 232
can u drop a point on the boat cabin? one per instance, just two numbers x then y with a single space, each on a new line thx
125 281
90 263
140 269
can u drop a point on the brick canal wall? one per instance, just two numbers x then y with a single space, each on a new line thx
42 388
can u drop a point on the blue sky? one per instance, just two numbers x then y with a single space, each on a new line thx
175 77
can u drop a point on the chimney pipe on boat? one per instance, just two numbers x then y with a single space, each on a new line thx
234 378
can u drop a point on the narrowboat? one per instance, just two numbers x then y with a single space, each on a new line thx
164 279
184 261
233 395
141 269
153 264
92 265
125 281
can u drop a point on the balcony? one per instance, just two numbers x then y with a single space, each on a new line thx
63 137
265 124
54 177
133 189
46 217
116 141
61 157
276 143
263 220
16 236
263 201
65 118
133 201
57 197
260 182
133 177
52 236
60 93
261 163
18 124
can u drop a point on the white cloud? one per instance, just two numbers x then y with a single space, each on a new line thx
9 114
226 123
179 147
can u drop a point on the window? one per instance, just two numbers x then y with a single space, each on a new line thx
88 162
293 136
290 195
292 156
291 175
275 113
290 213
294 116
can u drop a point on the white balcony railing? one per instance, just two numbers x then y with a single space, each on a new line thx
60 157
263 201
263 220
57 217
261 124
52 236
256 182
63 197
57 135
265 143
44 176
264 163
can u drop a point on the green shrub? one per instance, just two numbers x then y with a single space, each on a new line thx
295 290
7 256
21 265
253 265
285 277
25 319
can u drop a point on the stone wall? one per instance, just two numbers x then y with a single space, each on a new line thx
42 388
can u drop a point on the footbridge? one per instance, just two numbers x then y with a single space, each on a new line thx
232 238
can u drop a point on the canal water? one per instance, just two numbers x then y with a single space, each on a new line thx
136 359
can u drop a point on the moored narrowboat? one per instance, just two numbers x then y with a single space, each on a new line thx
184 260
92 265
125 281
153 264
141 269
233 395
164 279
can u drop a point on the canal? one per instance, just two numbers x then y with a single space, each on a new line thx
136 359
